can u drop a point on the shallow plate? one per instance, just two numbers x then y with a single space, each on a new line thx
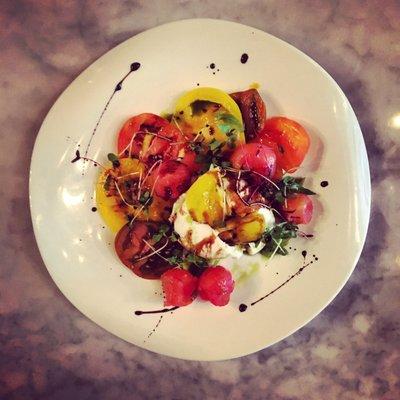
77 249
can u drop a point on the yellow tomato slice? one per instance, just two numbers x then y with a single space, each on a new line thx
107 206
209 94
211 124
204 200
116 217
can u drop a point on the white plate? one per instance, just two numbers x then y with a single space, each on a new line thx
78 251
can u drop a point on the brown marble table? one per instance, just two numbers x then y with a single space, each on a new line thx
49 350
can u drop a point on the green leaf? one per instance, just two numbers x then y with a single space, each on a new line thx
215 144
197 260
279 197
157 237
114 159
277 238
145 198
291 185
174 237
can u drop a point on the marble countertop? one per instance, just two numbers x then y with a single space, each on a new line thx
49 350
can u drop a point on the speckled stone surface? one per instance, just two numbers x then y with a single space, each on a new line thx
48 350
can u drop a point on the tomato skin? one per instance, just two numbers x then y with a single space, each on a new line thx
130 128
216 285
253 111
255 157
289 140
189 159
132 137
179 287
298 209
170 179
130 246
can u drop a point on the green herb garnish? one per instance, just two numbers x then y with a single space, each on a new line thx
215 145
291 185
277 238
114 159
145 198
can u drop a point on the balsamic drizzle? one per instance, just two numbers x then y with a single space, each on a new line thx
77 157
154 329
282 284
134 67
244 58
164 310
324 183
243 307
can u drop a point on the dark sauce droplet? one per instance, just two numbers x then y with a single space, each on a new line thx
135 66
244 58
242 308
94 209
304 253
212 65
164 310
77 156
324 183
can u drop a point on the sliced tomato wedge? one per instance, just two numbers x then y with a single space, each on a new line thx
149 137
253 111
298 209
255 157
289 140
132 247
170 179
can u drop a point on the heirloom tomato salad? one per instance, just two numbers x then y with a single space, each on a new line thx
210 181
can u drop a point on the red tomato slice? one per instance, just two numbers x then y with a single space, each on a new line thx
170 179
131 248
289 140
255 157
131 138
298 209
189 159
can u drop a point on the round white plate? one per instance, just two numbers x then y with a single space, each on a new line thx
78 250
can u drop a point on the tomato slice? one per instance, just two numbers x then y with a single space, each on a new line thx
212 95
298 209
131 248
255 157
289 140
253 111
170 179
149 137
